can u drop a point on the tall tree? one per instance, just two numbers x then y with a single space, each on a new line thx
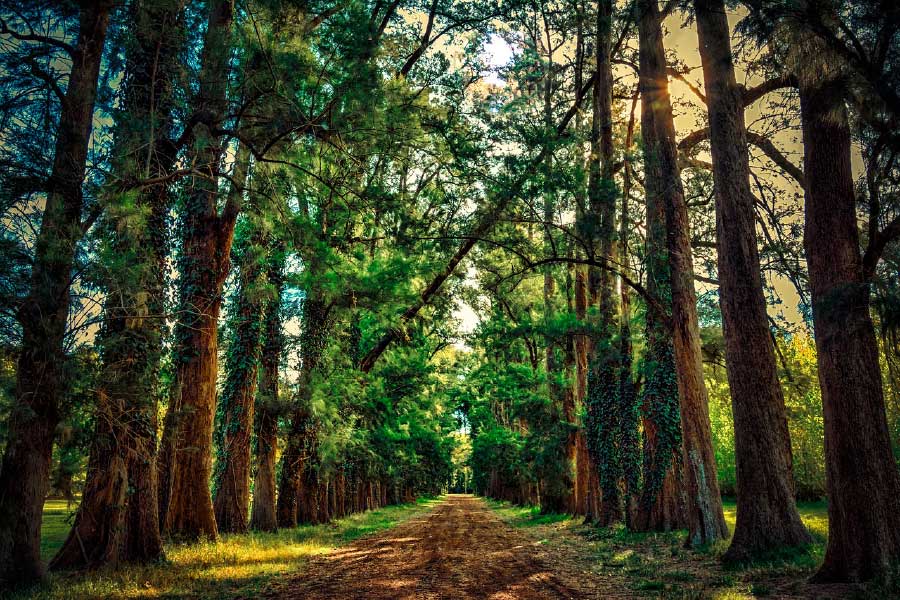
661 506
231 477
301 451
706 521
767 516
861 474
185 503
628 398
263 516
40 383
117 519
603 422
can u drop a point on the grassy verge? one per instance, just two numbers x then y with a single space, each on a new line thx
234 566
657 564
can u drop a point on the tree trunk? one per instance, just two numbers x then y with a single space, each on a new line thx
186 510
40 383
767 517
300 457
128 531
706 521
569 415
628 400
587 492
262 516
117 520
603 417
291 468
861 475
231 478
661 506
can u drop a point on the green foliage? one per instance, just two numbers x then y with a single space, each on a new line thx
803 403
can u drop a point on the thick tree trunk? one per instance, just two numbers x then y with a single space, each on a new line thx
40 383
262 516
662 499
231 478
187 510
291 470
706 521
767 517
861 474
117 520
662 503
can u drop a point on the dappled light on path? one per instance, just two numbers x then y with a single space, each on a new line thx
460 550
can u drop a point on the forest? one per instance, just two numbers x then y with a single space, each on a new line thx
512 298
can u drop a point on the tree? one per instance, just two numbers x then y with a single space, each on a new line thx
662 501
268 404
767 517
860 469
185 503
603 420
231 475
40 384
118 520
706 521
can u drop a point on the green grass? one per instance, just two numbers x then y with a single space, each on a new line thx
794 560
525 516
657 564
58 517
233 566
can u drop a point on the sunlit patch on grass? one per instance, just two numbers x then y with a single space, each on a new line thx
233 566
58 517
659 564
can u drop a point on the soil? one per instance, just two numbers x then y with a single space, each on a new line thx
464 550
459 550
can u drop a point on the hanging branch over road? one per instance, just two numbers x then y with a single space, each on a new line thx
484 224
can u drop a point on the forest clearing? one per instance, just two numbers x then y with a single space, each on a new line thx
450 299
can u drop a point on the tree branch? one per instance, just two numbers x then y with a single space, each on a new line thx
31 36
877 245
485 223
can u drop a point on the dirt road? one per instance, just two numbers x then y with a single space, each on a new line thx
460 550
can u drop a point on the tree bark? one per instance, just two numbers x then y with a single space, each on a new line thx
706 521
300 456
628 401
767 517
262 516
662 502
861 475
40 379
186 509
118 520
231 477
603 416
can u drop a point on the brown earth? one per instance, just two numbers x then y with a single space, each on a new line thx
460 550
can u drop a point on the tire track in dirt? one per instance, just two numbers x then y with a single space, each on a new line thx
460 550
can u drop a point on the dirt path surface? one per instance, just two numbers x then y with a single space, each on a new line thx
460 550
